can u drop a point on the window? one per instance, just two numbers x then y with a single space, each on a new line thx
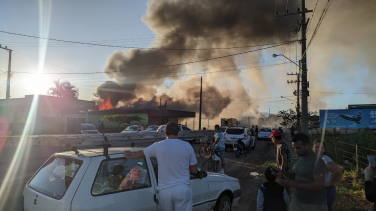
55 177
186 129
121 175
88 127
132 128
235 131
265 130
154 162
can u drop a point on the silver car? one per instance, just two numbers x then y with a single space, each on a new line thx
232 134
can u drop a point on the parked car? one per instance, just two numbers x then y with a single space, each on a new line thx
232 134
162 129
89 180
265 133
87 128
151 128
133 129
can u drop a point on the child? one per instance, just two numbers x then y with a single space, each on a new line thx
271 196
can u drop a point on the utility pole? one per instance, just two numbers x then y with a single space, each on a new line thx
305 92
160 111
7 95
305 83
298 98
199 121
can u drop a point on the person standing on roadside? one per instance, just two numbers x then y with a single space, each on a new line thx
308 178
176 161
219 146
370 186
292 131
256 132
333 173
283 151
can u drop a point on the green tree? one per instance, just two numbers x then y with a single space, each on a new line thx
63 89
121 119
290 117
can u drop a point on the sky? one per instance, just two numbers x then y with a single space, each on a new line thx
118 22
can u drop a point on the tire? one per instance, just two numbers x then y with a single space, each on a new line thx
201 151
223 204
237 152
208 165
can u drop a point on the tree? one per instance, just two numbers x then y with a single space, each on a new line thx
290 117
63 89
121 119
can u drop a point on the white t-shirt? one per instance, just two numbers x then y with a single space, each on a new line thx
174 157
328 174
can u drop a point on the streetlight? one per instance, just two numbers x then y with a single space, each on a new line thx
275 55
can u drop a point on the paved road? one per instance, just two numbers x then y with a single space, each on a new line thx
26 162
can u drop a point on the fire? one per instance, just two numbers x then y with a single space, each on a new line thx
105 105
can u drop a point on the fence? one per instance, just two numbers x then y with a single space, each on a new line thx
350 151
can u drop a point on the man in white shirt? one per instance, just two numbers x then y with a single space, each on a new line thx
176 160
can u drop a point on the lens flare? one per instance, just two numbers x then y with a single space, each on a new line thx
20 158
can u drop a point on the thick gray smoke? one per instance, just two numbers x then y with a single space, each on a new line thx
195 24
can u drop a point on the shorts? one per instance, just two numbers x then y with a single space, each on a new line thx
220 150
295 205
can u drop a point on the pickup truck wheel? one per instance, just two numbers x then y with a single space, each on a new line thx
223 204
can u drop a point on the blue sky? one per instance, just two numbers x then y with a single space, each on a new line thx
119 23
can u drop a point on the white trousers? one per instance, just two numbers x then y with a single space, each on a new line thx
176 198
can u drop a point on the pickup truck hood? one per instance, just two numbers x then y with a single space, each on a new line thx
216 177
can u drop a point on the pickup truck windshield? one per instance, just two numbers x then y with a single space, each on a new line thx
55 176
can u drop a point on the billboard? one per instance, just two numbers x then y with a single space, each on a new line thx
348 118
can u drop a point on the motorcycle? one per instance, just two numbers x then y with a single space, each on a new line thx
239 148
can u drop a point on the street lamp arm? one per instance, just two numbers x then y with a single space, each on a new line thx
275 55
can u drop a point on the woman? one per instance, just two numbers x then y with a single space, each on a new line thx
333 173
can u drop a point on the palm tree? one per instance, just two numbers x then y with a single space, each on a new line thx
63 89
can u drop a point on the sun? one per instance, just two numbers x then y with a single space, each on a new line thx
39 83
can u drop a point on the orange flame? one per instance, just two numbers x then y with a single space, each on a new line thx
106 104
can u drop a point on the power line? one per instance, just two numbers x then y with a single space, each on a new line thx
204 60
323 14
312 14
119 46
355 93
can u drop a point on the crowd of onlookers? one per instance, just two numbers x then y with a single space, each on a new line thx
311 185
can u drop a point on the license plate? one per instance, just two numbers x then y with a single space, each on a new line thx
234 138
235 148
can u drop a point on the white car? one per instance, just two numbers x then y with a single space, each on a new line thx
151 128
232 134
133 129
162 129
265 133
87 128
90 180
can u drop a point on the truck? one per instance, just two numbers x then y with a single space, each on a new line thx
230 122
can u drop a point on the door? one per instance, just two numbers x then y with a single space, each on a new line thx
116 184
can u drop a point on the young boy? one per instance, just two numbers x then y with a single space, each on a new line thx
271 196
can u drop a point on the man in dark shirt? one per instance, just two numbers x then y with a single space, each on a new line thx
308 178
